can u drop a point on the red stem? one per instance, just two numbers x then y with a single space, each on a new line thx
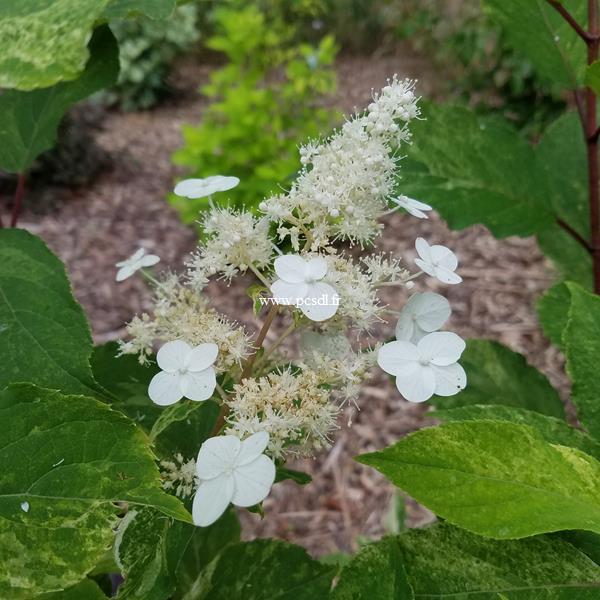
19 193
584 35
591 127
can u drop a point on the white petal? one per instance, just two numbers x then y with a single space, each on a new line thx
172 355
253 447
216 455
212 499
291 268
444 257
449 380
199 188
405 327
423 249
418 204
125 272
426 267
394 356
149 260
288 293
316 268
432 310
253 481
419 386
201 357
321 302
441 348
137 255
446 276
164 389
198 385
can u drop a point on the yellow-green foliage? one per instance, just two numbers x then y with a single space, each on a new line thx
266 100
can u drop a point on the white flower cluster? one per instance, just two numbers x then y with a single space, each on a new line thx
295 410
234 242
346 181
274 407
182 313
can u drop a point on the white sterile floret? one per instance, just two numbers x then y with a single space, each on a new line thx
300 284
134 263
438 261
413 207
233 471
200 188
187 372
427 368
422 314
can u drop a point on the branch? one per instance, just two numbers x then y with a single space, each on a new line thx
566 15
574 234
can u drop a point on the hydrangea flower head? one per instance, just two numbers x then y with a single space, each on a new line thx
233 471
438 261
426 368
423 313
187 372
300 284
134 263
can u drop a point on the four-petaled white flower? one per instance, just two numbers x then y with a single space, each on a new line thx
300 284
412 206
134 263
187 372
199 188
438 261
427 368
422 314
233 471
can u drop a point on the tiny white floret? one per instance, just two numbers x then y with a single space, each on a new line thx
413 207
300 284
438 261
200 188
25 506
187 372
426 368
134 263
233 471
423 313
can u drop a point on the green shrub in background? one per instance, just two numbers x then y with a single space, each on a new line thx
484 69
147 49
264 101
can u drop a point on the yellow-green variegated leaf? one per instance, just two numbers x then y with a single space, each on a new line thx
497 479
66 461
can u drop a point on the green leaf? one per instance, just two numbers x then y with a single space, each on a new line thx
85 590
497 375
158 555
45 42
155 9
553 430
446 562
553 312
43 331
476 170
581 339
128 381
263 569
68 458
298 476
29 120
586 541
497 479
183 427
377 572
592 77
535 29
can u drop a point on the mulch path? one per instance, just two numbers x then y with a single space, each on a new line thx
92 228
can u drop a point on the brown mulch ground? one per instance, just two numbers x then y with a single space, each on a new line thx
93 228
